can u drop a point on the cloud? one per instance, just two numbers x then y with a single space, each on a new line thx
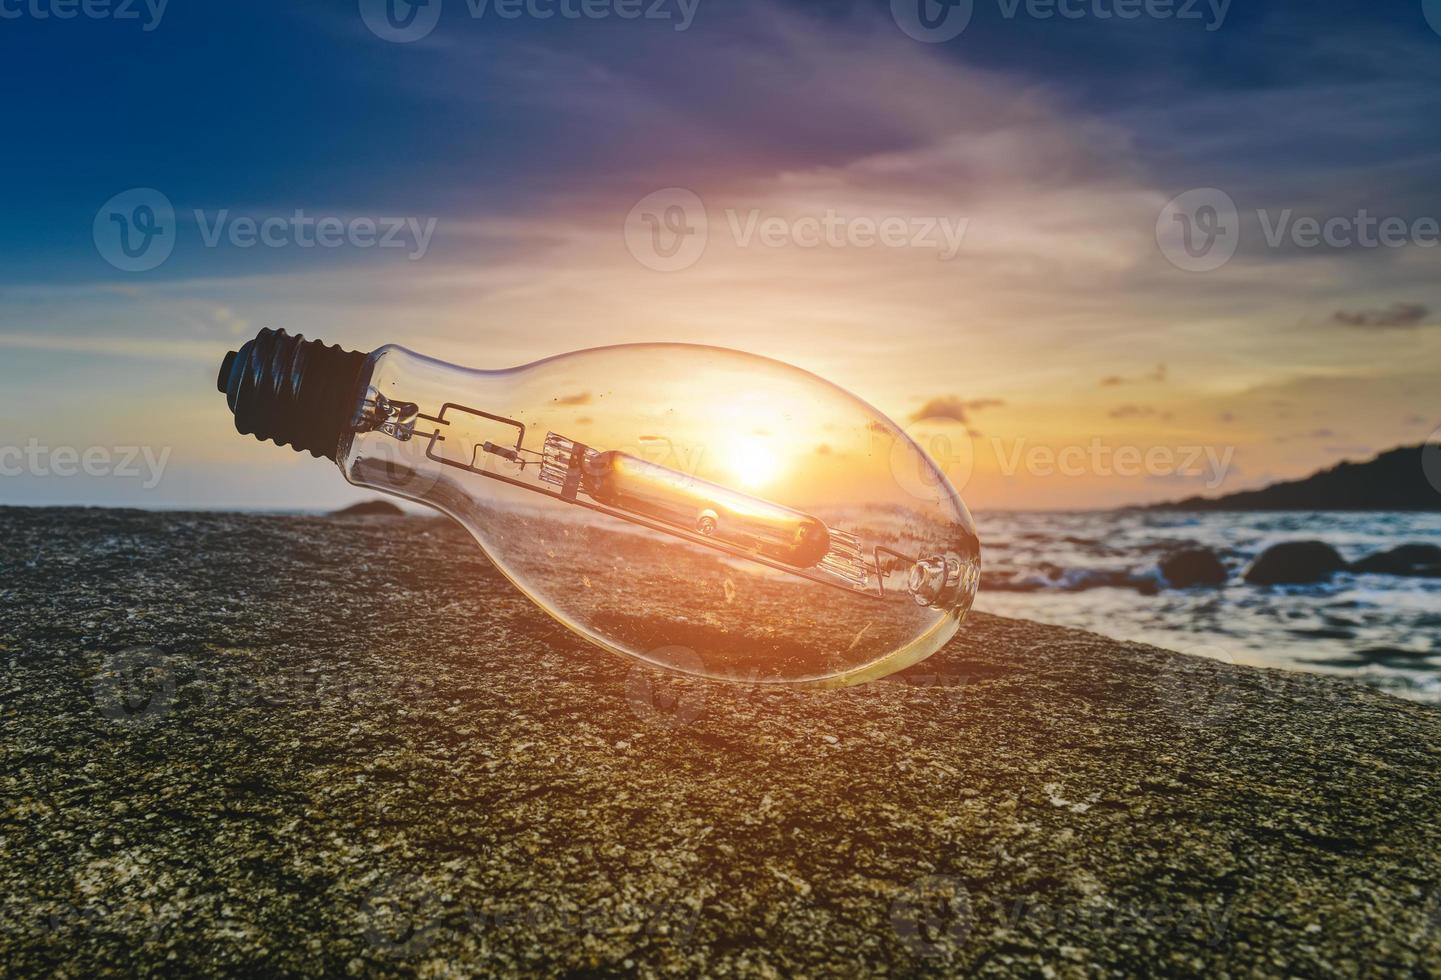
950 408
1157 376
1132 412
1313 434
1402 316
582 398
144 348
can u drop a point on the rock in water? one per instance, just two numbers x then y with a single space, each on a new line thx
370 508
1296 563
1196 566
1412 560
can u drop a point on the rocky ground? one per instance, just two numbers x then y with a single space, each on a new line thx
251 745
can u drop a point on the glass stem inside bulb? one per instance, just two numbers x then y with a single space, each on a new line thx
643 492
639 486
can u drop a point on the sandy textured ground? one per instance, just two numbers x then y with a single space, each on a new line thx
244 745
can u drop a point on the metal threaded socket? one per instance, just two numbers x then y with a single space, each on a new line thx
292 391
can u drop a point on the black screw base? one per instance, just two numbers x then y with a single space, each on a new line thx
292 391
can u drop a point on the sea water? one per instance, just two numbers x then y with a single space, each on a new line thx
1098 571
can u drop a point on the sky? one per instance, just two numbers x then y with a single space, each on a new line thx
1088 252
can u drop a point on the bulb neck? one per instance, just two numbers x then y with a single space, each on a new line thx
292 391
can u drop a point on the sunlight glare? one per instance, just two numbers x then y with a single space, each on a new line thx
753 461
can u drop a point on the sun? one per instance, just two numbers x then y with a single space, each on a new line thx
752 461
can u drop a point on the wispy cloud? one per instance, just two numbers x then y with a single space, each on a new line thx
1398 315
1137 412
148 348
1157 375
951 408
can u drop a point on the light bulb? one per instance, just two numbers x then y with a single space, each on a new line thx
701 509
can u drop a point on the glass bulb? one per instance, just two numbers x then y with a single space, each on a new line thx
700 509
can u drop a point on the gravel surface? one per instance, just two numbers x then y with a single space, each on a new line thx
263 745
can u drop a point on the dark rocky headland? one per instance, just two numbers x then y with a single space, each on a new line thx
1407 478
303 746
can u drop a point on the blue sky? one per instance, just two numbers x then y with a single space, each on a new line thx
527 141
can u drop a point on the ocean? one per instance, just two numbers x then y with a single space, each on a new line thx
1098 571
